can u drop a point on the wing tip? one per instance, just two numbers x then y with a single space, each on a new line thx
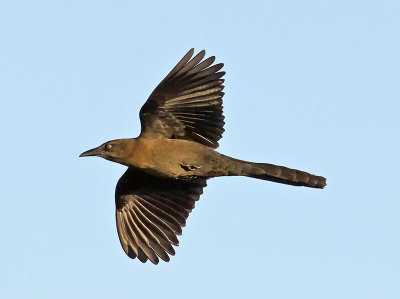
191 51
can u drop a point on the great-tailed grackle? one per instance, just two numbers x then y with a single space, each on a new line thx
174 155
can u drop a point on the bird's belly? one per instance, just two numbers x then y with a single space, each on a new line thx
179 159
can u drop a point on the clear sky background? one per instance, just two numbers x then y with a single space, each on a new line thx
312 85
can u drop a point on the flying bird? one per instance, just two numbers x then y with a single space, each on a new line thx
174 156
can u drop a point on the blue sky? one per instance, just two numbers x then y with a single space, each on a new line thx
312 85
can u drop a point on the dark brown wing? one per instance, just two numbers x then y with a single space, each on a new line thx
187 104
151 211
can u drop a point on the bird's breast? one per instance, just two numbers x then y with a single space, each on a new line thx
171 157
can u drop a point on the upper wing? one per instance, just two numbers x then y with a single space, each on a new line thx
150 212
187 104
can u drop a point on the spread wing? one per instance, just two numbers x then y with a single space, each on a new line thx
151 211
187 104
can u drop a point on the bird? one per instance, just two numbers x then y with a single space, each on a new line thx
175 154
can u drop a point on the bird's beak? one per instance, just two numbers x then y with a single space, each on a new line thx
97 151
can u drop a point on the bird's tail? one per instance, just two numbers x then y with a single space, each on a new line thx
275 173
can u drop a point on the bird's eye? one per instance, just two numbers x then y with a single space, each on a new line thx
108 146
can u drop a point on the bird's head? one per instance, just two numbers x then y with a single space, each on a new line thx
115 150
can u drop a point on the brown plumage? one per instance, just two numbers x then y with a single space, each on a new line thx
171 160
